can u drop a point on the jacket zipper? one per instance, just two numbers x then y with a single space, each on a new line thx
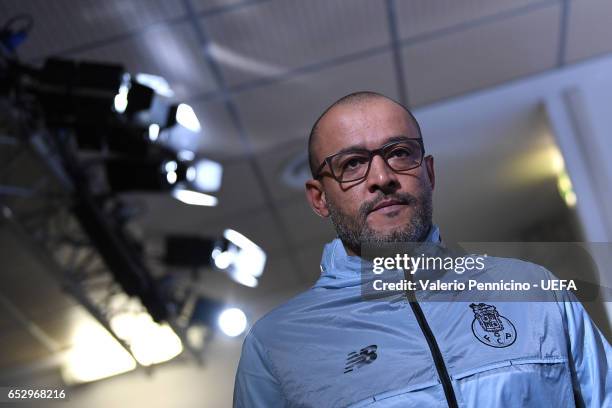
447 386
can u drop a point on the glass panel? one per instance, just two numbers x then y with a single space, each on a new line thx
350 166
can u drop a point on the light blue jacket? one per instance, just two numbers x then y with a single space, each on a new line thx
328 347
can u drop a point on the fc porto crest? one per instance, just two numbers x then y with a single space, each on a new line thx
491 328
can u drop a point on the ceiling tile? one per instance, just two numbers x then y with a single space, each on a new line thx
482 56
417 17
275 164
210 5
65 24
37 300
304 225
20 347
7 322
285 111
589 30
275 36
61 326
170 51
26 283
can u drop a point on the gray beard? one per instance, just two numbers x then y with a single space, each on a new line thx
355 232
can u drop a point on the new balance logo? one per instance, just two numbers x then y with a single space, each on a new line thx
356 360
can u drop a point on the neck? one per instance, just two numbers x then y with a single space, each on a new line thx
357 251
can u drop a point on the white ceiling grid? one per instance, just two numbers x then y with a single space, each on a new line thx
289 34
451 65
172 52
590 29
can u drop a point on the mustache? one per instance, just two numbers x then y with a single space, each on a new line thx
402 198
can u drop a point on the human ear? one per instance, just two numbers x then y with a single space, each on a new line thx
316 197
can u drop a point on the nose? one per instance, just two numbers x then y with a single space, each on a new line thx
381 177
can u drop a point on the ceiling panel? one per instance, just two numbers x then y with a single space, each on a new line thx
6 321
239 192
19 347
25 282
61 326
275 36
417 17
209 5
286 110
274 164
65 24
589 29
482 56
38 298
169 51
303 224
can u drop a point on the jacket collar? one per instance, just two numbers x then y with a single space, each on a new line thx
339 269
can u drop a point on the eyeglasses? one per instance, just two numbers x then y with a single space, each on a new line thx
354 164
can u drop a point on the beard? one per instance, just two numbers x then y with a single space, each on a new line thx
354 231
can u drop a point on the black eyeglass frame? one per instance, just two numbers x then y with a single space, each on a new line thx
380 151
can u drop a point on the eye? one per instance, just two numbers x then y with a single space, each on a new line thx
354 162
400 152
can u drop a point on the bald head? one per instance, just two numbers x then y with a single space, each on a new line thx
356 99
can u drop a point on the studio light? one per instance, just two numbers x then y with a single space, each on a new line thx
234 254
147 174
94 355
240 258
188 181
137 94
157 83
183 115
205 175
186 155
186 117
564 184
139 98
188 251
153 132
232 322
207 312
193 197
72 92
150 342
121 99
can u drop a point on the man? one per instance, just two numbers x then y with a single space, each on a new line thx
329 347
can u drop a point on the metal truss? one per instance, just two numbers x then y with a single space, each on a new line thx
38 199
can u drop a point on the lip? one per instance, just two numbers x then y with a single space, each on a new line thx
386 204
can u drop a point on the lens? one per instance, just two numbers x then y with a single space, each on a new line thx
350 166
404 156
400 156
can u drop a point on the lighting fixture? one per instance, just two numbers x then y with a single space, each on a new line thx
232 322
240 258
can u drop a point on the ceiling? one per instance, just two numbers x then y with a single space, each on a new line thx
259 72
